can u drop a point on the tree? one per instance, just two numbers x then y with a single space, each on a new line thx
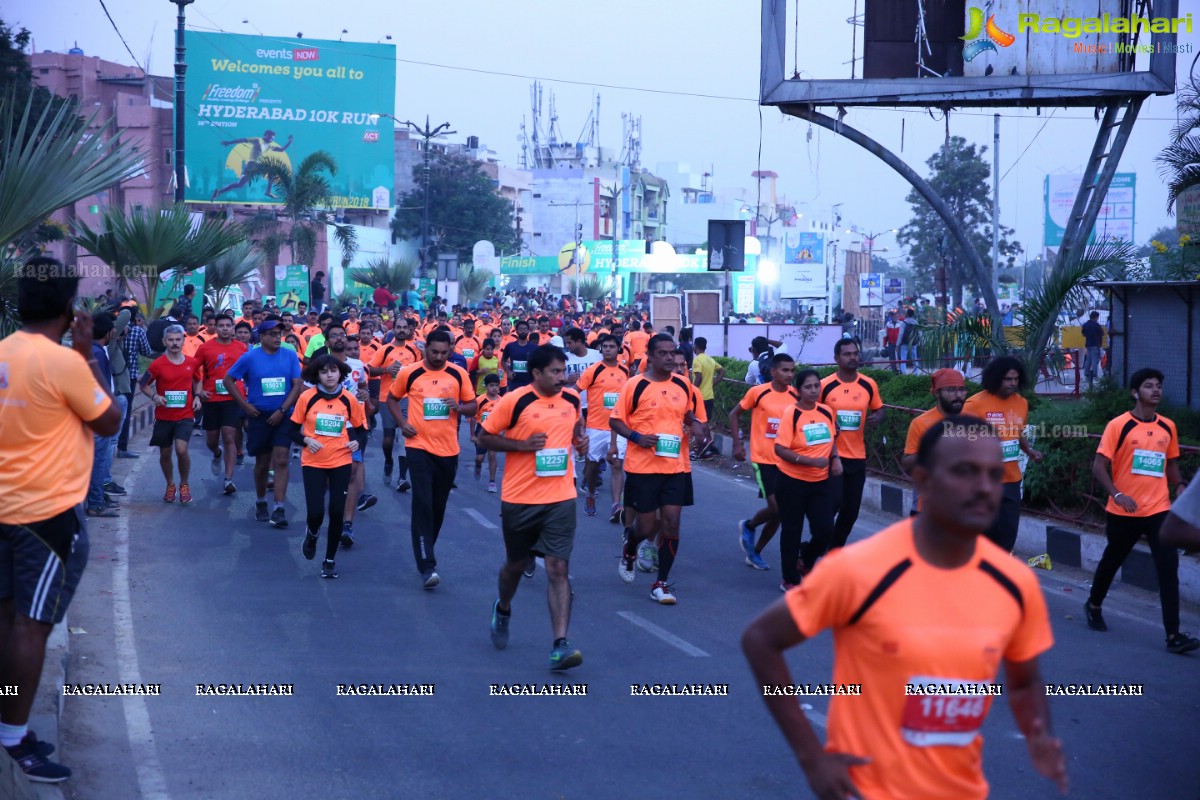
16 76
473 284
229 269
306 202
397 276
1167 234
1179 161
957 172
464 207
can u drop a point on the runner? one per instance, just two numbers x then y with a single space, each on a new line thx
1181 528
1142 449
515 357
468 345
222 417
579 356
950 391
271 376
536 426
385 365
767 404
439 393
331 427
176 380
484 364
1001 404
52 401
637 340
856 400
489 398
651 412
345 349
706 374
601 384
953 605
193 337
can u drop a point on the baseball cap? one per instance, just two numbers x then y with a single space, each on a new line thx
268 325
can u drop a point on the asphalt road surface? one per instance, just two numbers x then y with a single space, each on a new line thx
205 595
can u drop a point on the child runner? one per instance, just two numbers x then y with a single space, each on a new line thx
491 394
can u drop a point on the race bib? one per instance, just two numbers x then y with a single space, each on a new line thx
519 366
176 399
952 719
772 428
816 433
551 462
483 419
274 387
1011 448
436 408
1149 462
667 445
219 385
849 420
468 353
610 399
329 425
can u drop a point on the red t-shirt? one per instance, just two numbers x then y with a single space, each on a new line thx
174 383
216 359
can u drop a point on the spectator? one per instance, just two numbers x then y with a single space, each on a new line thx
1093 340
317 292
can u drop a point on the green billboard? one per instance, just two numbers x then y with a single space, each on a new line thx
254 99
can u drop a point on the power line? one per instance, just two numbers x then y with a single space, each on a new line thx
122 38
1026 150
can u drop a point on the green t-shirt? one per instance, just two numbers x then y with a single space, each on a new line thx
704 364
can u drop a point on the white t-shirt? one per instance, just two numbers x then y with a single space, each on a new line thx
575 367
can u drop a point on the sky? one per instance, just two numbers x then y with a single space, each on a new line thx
688 69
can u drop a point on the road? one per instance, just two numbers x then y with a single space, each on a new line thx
183 596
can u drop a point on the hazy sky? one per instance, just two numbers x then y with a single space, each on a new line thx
663 55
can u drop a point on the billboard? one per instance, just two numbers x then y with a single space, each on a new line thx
802 275
254 99
1115 219
1187 212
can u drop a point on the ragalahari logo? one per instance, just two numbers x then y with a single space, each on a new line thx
991 33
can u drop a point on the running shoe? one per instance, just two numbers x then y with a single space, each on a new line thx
565 656
661 594
261 512
102 512
127 454
241 459
169 495
309 548
755 559
500 626
229 487
278 518
589 505
746 537
784 586
365 501
403 485
185 493
531 568
491 487
430 579
347 539
42 748
1095 620
387 474
647 557
37 768
1182 643
625 568
328 569
215 464
617 511
112 487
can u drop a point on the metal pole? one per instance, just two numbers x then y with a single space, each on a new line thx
614 211
425 210
180 71
996 205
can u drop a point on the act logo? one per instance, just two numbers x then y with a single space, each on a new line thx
991 33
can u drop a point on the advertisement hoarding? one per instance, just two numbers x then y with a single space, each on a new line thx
1115 219
291 286
256 99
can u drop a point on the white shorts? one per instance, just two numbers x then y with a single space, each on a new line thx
598 445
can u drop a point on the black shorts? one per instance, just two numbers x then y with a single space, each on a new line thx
41 564
262 438
767 477
650 491
708 410
222 414
168 431
544 530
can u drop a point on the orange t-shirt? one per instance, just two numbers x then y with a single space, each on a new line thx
603 386
216 359
192 343
350 327
430 394
766 407
548 475
468 347
1008 418
485 407
658 407
1139 452
637 342
328 419
852 402
810 434
406 353
47 393
918 427
929 626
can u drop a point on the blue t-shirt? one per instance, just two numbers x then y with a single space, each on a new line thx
268 378
519 354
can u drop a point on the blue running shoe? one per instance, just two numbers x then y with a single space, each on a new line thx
564 657
500 626
754 559
746 537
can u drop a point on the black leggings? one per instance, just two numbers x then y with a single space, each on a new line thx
1123 533
318 481
847 492
799 499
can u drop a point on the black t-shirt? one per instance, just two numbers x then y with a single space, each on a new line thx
1093 333
318 291
519 354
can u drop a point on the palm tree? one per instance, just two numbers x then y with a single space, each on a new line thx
1179 161
140 245
473 284
306 195
397 276
591 288
229 269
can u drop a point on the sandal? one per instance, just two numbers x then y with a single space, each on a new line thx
169 497
185 494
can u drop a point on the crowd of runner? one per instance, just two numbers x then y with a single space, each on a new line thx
547 387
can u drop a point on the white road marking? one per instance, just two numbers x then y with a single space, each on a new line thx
483 521
665 635
152 783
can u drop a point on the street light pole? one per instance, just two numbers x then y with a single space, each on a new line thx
180 71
